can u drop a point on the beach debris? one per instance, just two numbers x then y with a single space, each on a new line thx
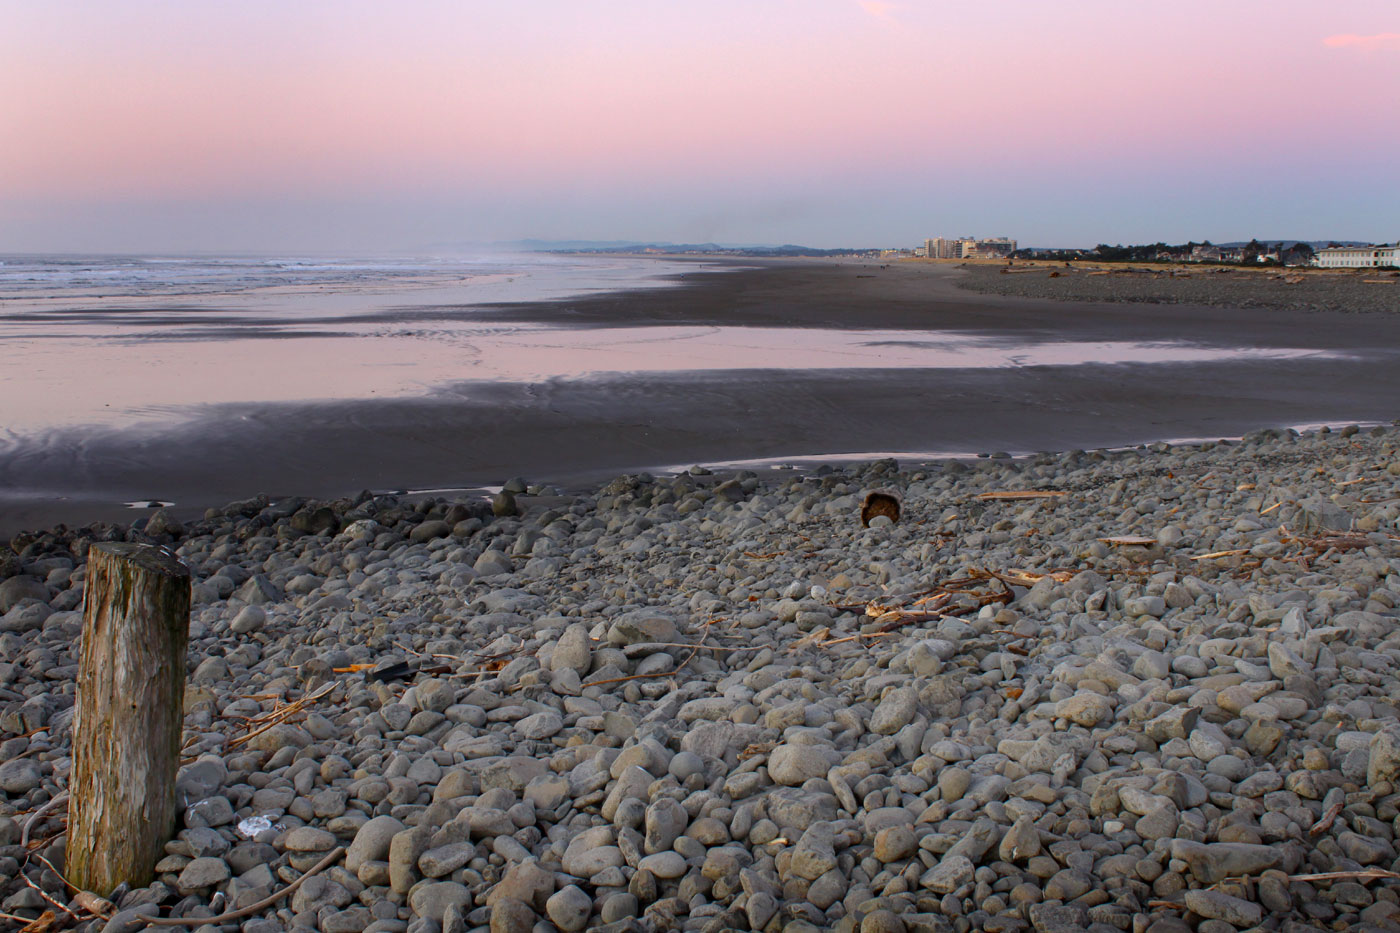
252 825
1010 495
401 670
879 502
280 715
397 670
1213 555
1129 540
941 601
94 904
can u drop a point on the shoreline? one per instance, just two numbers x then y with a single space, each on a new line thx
471 434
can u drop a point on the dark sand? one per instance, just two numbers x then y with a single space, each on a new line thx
575 430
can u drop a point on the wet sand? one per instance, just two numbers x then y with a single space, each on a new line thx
573 430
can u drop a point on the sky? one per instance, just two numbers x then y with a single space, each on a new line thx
198 125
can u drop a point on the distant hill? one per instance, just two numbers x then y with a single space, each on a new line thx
532 245
693 249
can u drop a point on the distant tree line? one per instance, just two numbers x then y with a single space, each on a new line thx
1253 253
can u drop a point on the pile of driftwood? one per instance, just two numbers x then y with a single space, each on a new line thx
957 597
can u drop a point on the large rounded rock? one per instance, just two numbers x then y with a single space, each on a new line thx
202 873
1085 709
895 711
796 764
573 651
371 843
1384 761
643 627
309 839
432 900
569 908
22 587
249 619
503 504
491 563
526 881
27 616
427 531
541 725
19 776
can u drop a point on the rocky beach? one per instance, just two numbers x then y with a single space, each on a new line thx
1346 291
1150 689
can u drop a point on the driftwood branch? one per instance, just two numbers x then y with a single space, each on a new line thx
251 908
38 814
694 650
1327 819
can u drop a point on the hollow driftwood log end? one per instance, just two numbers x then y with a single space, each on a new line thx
878 502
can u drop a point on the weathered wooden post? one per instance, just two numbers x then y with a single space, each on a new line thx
129 717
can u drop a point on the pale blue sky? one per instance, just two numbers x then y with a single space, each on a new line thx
324 125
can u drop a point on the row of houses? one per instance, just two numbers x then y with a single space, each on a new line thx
1209 253
1299 254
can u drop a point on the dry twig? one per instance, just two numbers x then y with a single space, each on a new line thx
279 716
1012 495
46 896
1130 540
1365 874
1234 552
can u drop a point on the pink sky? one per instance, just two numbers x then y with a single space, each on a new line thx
830 122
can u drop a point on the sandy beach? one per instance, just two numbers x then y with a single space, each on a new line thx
577 429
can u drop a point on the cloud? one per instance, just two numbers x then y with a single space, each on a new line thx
880 9
1381 40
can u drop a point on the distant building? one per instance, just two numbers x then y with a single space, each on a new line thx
998 247
1359 257
943 248
969 248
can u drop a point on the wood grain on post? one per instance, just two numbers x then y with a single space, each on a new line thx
129 717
